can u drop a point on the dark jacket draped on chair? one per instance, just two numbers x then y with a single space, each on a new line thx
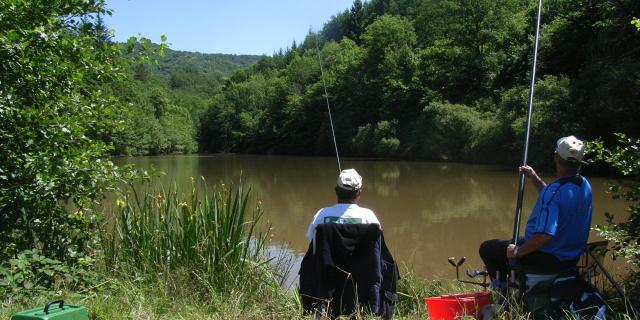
341 258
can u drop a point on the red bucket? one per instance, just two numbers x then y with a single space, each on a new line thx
457 306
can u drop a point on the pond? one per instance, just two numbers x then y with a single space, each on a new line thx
428 211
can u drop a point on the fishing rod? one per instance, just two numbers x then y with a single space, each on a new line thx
518 214
326 97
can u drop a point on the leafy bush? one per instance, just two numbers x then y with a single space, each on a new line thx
625 234
379 140
453 131
32 274
55 61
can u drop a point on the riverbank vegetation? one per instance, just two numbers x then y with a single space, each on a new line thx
407 78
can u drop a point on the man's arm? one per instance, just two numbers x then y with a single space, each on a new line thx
534 243
538 183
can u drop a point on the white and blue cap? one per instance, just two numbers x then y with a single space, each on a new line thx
349 179
570 149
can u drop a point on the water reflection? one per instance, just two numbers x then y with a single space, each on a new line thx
429 211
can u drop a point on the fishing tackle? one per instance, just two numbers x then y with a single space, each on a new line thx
326 97
470 273
518 214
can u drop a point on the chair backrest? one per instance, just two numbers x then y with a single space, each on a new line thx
344 267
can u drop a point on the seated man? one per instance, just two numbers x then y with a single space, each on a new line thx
348 263
558 228
348 189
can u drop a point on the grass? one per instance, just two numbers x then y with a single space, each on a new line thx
210 233
178 297
199 255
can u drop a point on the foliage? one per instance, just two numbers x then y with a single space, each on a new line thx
378 140
624 233
207 233
385 61
52 115
56 123
625 157
553 116
166 100
452 131
31 274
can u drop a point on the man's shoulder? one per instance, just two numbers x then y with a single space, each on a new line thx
363 209
571 182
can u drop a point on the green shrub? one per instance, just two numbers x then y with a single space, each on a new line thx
625 234
31 274
455 132
377 140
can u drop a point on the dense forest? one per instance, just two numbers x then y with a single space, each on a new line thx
166 99
437 80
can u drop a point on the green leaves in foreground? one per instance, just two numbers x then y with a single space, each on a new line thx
210 233
624 232
31 274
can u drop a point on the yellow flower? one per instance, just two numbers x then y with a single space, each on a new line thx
120 203
183 204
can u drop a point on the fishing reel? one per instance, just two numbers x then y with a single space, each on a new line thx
470 273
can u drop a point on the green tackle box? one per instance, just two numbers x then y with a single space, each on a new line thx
54 310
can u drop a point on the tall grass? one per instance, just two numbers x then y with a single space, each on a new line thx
209 233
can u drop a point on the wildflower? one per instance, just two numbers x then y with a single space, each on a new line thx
120 203
182 205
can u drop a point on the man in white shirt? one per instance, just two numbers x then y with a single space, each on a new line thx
346 211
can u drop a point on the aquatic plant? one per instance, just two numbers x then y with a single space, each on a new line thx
209 233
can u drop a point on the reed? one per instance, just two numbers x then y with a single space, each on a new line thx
209 233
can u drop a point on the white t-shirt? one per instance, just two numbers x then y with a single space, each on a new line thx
345 213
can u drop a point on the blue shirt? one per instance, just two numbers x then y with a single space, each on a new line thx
563 211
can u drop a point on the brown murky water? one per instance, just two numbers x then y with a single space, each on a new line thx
429 211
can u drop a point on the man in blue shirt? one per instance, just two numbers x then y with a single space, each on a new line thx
558 228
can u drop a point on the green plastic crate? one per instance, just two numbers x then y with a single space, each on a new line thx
54 310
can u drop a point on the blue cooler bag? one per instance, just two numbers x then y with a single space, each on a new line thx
54 310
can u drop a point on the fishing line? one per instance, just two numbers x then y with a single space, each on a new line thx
326 97
516 226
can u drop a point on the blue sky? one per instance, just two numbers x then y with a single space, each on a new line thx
231 26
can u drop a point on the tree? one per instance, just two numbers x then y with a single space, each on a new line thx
465 44
355 23
391 67
55 117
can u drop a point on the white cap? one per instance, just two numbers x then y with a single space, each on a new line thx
349 179
570 148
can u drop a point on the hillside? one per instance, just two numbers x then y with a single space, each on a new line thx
436 80
166 100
